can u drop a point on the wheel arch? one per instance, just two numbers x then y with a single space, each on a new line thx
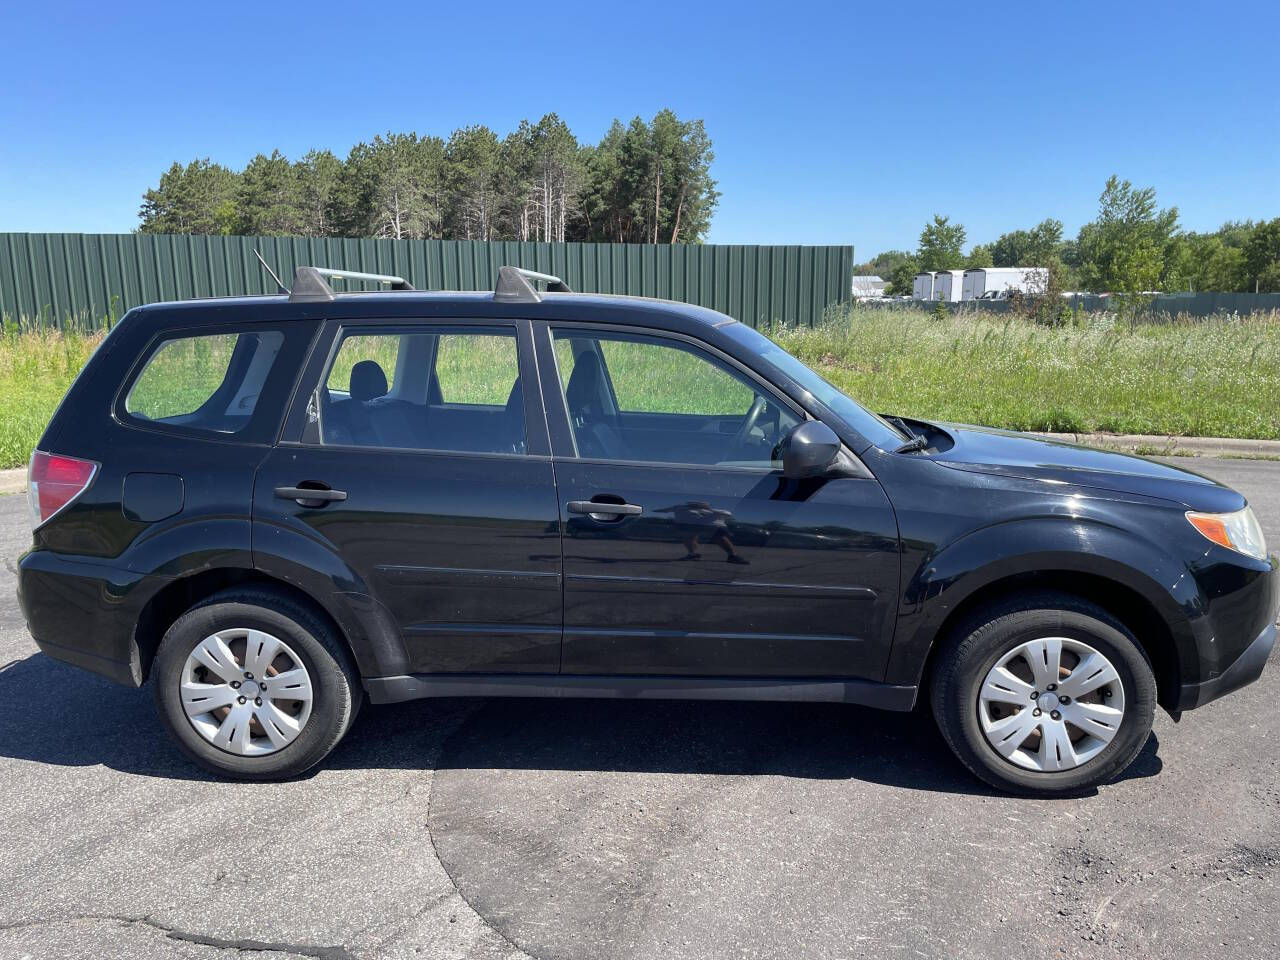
178 596
1127 605
1133 579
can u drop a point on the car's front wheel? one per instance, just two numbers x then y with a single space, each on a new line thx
1044 694
254 685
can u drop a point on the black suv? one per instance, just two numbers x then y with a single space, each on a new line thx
275 507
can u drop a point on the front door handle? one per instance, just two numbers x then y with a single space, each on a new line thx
595 509
310 496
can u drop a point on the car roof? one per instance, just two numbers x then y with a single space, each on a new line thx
442 304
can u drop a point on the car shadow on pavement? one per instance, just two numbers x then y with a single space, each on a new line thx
58 715
818 741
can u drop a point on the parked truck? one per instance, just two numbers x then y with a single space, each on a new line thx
997 283
922 287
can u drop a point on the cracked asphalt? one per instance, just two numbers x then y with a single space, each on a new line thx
570 829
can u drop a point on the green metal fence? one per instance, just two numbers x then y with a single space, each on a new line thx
84 278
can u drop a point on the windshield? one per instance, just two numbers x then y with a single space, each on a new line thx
871 426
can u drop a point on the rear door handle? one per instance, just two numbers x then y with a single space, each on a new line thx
607 509
310 496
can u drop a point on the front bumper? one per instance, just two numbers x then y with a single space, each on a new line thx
1243 671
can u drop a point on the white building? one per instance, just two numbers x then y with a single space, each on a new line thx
868 287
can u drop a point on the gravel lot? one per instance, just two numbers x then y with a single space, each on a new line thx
589 830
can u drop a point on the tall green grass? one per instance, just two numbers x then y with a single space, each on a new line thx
1211 378
1217 377
36 368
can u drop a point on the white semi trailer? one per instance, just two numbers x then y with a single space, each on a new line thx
922 286
996 283
948 285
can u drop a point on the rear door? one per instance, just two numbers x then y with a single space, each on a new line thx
419 459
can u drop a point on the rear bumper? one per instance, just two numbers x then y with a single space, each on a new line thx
84 614
1243 671
125 672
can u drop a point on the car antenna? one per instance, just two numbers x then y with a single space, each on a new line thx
280 287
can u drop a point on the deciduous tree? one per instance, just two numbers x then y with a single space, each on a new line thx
902 279
979 256
883 264
941 245
1262 256
1123 250
1029 248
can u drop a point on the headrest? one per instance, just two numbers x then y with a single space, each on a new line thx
583 388
368 382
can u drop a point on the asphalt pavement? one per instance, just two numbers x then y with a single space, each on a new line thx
573 829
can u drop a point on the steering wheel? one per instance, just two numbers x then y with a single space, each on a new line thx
749 421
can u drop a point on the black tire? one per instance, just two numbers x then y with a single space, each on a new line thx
337 693
975 647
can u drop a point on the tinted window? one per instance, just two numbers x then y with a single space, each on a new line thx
380 349
476 368
423 391
209 382
650 399
871 426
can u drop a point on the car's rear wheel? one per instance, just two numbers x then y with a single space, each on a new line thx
253 685
1044 694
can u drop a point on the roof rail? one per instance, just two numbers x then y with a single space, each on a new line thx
515 286
312 283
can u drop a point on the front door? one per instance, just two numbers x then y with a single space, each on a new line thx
686 552
421 469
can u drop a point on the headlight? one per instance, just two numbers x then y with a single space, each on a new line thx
1237 531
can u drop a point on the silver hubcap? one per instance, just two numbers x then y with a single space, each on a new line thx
246 692
1051 704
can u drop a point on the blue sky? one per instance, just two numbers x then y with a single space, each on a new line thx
832 123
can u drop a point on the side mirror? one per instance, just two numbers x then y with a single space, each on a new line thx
809 450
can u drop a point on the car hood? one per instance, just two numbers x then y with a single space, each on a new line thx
1004 453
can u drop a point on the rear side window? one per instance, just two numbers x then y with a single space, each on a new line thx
209 383
417 390
382 350
476 369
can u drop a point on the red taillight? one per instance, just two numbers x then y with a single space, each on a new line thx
53 481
